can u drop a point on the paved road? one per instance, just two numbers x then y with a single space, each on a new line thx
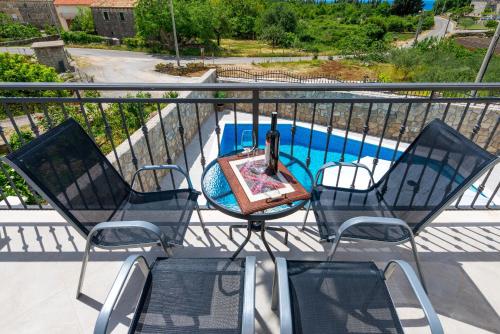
437 31
129 66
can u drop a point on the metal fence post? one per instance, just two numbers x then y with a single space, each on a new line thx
255 116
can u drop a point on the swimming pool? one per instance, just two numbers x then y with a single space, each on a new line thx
301 144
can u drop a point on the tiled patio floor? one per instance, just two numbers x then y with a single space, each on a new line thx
40 260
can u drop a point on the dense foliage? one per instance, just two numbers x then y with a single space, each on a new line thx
299 24
80 37
406 7
441 6
8 177
11 30
442 61
83 21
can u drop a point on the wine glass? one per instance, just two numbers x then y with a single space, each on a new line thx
247 142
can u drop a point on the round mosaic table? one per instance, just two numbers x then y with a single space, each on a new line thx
219 195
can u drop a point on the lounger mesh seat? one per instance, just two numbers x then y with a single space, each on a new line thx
340 297
194 296
434 169
200 295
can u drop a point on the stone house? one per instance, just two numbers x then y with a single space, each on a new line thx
67 10
39 13
114 18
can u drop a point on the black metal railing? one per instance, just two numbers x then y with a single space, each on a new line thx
112 115
282 76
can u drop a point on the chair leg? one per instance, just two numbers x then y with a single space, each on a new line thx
417 262
274 297
84 267
332 251
205 230
307 213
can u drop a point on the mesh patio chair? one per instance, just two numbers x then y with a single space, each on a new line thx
433 172
187 296
67 168
342 297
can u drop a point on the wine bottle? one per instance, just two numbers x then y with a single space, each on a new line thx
272 146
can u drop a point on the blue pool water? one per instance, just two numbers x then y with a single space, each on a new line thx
301 143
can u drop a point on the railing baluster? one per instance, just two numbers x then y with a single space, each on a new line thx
217 130
199 135
493 196
167 150
308 159
109 134
13 122
473 134
181 133
486 178
235 128
293 128
402 130
329 133
47 116
145 132
366 129
427 110
445 112
377 154
132 151
33 126
84 114
346 136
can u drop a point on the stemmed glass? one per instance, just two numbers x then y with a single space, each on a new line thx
247 142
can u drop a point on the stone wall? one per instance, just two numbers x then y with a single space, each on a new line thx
51 53
378 114
114 27
155 135
39 13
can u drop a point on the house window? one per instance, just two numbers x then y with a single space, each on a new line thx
122 16
106 16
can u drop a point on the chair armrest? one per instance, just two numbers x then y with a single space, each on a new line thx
418 289
285 307
341 164
375 221
248 317
161 167
102 322
137 224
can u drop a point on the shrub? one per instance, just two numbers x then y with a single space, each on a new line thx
12 30
80 37
134 42
492 24
83 21
20 184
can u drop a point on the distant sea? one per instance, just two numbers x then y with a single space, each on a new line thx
427 3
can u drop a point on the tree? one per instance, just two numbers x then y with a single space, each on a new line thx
83 21
221 18
153 21
443 6
273 34
407 7
279 15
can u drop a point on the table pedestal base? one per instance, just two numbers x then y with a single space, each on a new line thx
256 226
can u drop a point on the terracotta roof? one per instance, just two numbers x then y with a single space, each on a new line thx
114 3
73 2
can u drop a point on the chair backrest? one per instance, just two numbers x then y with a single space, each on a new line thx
433 171
67 168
